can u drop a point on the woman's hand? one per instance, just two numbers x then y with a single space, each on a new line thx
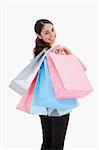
67 51
64 49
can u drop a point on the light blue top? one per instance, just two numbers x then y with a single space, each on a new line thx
56 112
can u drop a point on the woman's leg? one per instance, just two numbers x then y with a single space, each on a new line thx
54 131
59 128
46 132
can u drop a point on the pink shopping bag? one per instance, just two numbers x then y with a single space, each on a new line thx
26 101
68 76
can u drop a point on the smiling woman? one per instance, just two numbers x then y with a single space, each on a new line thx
45 94
55 118
46 35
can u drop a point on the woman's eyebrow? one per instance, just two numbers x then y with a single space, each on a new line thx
48 30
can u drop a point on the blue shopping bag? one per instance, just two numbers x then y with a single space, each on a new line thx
44 92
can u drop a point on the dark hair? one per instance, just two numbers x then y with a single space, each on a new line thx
40 44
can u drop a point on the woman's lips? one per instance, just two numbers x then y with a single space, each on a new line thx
51 40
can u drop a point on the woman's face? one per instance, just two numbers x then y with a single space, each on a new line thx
48 34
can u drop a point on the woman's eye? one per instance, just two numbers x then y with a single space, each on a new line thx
45 32
52 29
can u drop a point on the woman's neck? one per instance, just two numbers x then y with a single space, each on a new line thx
51 45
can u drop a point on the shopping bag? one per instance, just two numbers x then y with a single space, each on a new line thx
68 76
23 80
20 83
25 103
44 93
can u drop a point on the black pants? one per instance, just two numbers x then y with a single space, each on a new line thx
54 131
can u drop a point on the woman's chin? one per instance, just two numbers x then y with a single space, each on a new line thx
52 42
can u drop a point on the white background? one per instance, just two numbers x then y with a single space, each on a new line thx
76 26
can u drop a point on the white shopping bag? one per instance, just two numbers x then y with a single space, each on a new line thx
22 81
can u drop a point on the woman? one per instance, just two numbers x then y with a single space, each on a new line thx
54 125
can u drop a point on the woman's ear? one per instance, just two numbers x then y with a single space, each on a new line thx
39 36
